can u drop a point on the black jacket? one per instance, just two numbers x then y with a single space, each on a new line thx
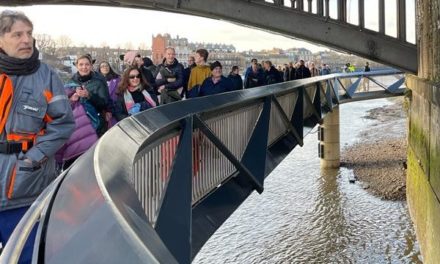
237 81
174 70
272 76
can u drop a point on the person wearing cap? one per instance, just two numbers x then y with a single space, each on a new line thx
134 58
217 83
36 120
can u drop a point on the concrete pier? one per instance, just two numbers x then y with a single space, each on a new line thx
329 143
423 176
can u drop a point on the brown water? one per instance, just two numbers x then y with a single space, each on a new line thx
309 215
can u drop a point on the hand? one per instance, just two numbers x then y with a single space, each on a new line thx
74 97
161 88
170 80
82 92
108 116
135 109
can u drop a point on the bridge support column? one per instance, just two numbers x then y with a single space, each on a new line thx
329 143
423 174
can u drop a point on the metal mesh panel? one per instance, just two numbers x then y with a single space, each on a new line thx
210 167
288 103
151 173
277 127
308 108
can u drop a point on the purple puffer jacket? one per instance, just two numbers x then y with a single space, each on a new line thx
82 138
112 89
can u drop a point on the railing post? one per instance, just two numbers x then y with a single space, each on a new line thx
309 6
382 16
342 10
174 231
320 7
361 10
401 20
298 113
300 5
329 143
254 157
327 8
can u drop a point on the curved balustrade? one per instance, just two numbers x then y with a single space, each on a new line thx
158 184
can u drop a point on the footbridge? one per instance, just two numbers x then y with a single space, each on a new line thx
160 183
310 20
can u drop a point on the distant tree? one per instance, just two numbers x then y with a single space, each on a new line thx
64 41
45 43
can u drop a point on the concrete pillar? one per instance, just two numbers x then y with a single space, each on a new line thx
423 174
329 143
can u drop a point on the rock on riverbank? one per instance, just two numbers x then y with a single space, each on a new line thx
379 160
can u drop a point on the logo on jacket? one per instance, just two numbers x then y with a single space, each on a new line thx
30 108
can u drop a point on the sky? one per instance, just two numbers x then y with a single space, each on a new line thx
117 26
95 26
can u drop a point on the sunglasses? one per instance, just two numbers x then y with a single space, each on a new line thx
134 76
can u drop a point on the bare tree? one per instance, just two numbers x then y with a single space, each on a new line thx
64 41
45 43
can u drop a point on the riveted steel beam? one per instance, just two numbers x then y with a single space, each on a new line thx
282 20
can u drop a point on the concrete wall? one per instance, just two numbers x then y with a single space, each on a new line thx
423 178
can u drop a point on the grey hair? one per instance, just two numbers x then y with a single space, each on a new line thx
9 17
170 48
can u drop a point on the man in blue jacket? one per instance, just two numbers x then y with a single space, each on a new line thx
217 83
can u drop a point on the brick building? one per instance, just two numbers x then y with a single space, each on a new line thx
226 54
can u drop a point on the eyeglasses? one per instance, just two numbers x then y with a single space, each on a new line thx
134 76
104 66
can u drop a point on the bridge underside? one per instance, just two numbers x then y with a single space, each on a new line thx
278 19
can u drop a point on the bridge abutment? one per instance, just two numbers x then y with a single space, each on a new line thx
423 175
329 141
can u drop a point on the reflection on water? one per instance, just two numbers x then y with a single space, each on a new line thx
308 215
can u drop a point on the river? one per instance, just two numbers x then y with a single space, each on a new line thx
309 215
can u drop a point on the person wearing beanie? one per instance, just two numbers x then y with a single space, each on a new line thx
217 83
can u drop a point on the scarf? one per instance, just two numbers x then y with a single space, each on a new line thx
14 66
128 98
82 79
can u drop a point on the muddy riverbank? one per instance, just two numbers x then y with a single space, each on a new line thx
379 158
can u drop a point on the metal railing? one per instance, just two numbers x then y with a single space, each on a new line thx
171 175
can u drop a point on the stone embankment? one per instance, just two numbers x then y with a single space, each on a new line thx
379 159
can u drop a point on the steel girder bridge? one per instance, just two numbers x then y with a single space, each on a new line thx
158 184
291 20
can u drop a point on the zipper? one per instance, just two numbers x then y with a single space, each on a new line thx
11 183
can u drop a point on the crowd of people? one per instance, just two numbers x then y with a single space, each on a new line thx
99 97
